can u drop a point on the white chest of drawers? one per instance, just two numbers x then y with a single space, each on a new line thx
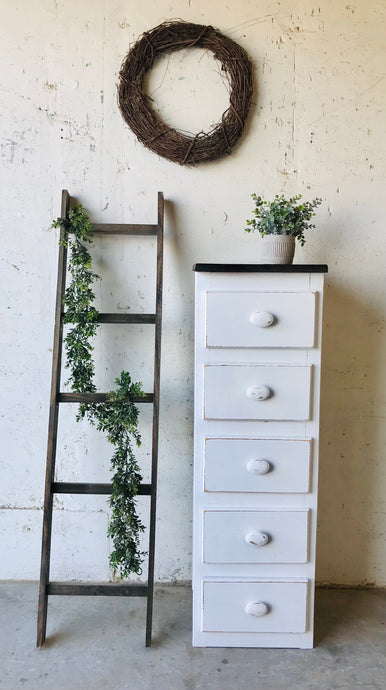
257 380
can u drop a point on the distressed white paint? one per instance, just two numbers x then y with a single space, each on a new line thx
255 533
255 536
316 127
241 465
239 391
266 319
232 607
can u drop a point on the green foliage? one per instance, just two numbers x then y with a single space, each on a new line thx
77 224
117 416
282 216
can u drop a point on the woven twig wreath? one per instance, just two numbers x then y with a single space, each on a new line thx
137 110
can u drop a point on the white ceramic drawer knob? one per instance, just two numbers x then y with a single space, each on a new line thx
258 392
262 319
256 538
256 608
259 466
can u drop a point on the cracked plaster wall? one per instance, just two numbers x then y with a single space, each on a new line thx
316 127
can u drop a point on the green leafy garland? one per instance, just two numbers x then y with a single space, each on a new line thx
117 416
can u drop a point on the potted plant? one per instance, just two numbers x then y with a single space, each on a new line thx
279 222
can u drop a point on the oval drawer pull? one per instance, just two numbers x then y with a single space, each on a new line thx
256 538
256 608
259 466
262 319
259 392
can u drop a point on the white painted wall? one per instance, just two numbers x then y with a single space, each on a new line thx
316 127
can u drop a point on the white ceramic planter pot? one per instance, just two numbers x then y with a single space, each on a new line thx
278 249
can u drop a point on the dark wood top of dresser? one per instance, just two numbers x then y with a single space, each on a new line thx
260 268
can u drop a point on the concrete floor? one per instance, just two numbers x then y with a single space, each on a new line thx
96 643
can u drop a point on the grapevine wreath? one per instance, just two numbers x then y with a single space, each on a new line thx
136 106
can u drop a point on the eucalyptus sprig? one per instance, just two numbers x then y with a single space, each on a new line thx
117 416
282 216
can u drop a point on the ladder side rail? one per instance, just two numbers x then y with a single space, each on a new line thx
52 431
155 431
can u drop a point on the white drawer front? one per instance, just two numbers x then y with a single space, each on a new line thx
234 391
255 536
257 465
260 319
254 607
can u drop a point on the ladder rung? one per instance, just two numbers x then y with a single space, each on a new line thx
88 488
124 229
126 318
98 397
109 589
123 318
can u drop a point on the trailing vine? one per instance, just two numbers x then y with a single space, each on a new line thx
117 416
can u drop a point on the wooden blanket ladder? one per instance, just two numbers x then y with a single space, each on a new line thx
53 487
